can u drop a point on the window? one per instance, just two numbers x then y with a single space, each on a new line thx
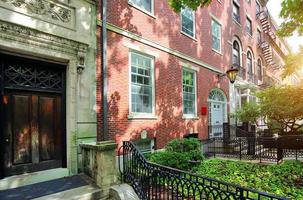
236 53
236 12
259 70
189 92
259 37
142 91
188 22
258 8
248 26
216 35
143 4
249 64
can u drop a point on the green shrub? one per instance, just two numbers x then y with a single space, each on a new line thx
285 179
183 145
178 154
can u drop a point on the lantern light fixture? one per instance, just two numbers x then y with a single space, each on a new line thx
231 73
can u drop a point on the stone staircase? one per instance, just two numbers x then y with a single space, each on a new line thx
78 187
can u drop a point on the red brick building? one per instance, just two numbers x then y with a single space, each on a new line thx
164 68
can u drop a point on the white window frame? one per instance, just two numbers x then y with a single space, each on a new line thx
252 62
240 50
142 9
251 25
141 115
213 20
194 25
257 3
236 3
190 116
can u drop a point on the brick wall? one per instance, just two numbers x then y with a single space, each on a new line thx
164 29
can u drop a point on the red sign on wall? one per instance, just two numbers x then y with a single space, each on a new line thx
203 110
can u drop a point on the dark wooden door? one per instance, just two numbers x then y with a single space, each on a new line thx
32 132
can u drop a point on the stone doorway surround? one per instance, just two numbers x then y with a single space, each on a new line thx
27 42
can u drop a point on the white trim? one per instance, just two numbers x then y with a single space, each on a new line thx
236 2
189 66
141 116
191 37
194 25
143 10
150 43
141 49
215 18
222 103
134 115
195 115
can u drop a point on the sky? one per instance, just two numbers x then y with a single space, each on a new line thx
274 7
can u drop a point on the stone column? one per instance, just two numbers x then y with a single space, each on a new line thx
99 163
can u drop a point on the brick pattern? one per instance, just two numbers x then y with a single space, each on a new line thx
164 29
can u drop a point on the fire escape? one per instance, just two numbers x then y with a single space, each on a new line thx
265 20
267 29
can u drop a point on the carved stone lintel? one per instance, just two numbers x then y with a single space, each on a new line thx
42 9
35 38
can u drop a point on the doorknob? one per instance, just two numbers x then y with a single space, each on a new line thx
7 140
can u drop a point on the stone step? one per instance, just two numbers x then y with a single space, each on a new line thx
88 192
72 187
32 178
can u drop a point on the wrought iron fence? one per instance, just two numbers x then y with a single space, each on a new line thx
153 181
256 148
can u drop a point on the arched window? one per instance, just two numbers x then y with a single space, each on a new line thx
236 53
259 70
249 63
216 95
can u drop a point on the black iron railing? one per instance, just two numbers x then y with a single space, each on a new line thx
256 148
153 181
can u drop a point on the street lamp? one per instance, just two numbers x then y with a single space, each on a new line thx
231 73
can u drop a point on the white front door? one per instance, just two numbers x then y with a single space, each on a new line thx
216 119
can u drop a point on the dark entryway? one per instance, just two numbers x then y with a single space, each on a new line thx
32 115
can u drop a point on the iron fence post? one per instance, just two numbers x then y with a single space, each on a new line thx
240 149
214 147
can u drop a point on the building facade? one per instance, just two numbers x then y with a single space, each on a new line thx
165 69
48 90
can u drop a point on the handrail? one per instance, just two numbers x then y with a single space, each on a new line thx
154 181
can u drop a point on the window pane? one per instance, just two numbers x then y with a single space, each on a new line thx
187 21
248 26
236 13
216 35
141 86
189 94
144 4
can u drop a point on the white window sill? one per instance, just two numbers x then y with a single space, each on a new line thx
142 10
218 52
191 37
142 116
194 117
248 34
236 22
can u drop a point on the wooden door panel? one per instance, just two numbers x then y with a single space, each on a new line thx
32 132
21 135
46 128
